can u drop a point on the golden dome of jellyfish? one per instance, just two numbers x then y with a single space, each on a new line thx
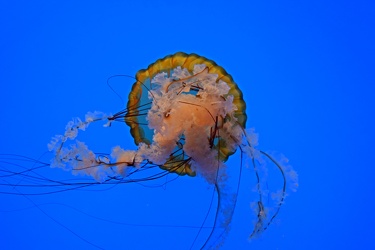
187 117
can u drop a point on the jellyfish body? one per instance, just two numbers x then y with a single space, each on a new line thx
187 117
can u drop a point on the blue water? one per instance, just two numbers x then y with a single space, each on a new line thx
307 74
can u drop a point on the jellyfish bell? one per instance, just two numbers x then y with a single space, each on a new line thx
187 117
190 99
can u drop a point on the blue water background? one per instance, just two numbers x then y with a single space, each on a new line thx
306 69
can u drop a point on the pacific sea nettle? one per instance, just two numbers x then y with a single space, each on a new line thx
187 117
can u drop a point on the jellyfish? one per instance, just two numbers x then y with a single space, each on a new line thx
187 117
